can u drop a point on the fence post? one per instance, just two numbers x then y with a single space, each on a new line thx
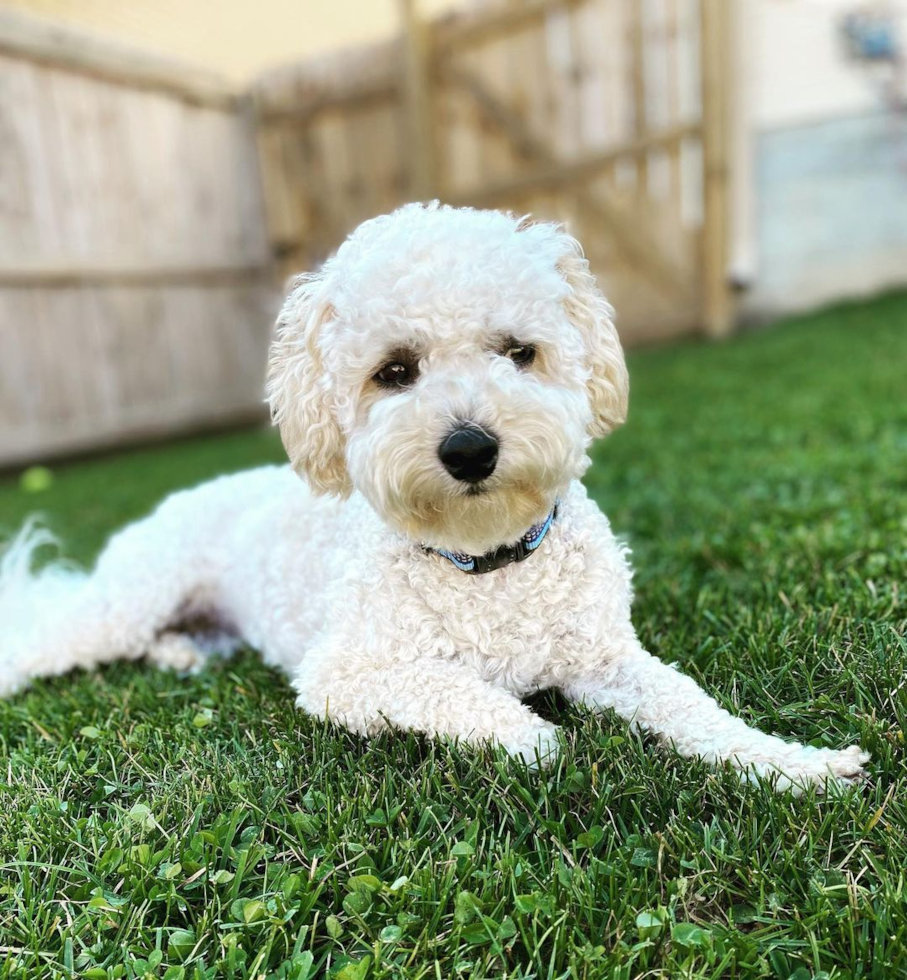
416 92
716 76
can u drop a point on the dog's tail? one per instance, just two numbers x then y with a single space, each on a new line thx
58 617
33 606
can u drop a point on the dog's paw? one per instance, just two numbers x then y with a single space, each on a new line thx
538 747
846 767
175 651
825 769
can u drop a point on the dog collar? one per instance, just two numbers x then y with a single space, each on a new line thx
506 554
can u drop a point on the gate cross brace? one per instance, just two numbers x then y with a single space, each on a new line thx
640 248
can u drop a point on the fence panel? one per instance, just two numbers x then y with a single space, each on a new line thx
135 291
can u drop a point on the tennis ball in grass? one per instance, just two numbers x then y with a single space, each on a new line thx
36 479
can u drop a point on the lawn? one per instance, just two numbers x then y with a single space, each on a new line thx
168 827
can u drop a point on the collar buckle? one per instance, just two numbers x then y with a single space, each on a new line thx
505 555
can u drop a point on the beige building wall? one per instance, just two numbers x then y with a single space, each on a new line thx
236 38
799 73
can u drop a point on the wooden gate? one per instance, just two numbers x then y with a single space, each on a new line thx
606 114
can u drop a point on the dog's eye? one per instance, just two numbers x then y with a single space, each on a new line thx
396 374
521 354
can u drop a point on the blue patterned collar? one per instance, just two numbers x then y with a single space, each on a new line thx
506 554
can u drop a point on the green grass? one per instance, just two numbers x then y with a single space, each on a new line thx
156 826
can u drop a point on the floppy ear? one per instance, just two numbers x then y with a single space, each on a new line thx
299 393
592 315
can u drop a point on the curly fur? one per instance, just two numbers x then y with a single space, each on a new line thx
336 583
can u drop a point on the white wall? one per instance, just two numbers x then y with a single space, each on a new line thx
820 198
801 75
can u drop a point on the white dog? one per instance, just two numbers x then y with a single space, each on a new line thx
437 385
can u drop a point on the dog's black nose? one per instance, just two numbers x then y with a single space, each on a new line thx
469 453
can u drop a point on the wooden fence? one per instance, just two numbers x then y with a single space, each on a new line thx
135 287
608 114
140 231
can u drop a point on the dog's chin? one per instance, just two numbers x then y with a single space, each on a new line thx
476 519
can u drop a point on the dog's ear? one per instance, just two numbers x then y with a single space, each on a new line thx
299 393
590 312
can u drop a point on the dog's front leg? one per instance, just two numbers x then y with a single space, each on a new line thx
378 685
659 699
